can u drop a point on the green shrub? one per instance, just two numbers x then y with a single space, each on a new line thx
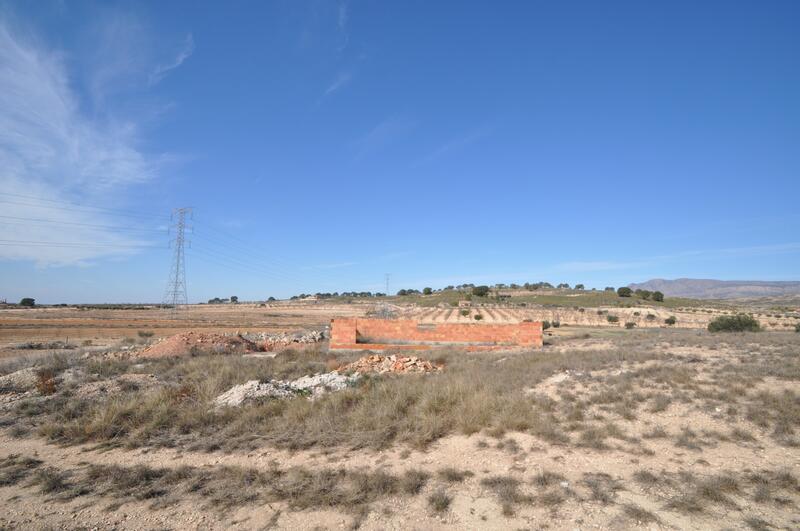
797 328
427 291
650 317
624 292
545 325
670 320
612 318
556 324
629 325
480 291
478 317
464 312
27 301
734 323
658 296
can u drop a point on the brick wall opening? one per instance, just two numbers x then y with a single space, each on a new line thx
380 334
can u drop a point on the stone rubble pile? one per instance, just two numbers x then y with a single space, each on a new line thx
310 386
383 364
199 343
282 339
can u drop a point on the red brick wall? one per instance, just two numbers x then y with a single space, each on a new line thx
343 331
351 331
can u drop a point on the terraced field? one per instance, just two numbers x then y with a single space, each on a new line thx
642 317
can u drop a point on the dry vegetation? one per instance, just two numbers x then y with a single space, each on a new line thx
664 428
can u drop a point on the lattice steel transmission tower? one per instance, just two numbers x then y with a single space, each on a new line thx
175 295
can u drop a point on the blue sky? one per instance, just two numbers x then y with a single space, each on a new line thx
324 144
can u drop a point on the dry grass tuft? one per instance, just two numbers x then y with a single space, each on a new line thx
439 501
712 490
546 479
602 486
453 475
638 514
413 481
14 469
507 491
646 478
50 480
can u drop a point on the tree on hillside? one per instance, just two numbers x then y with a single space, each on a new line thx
427 291
563 285
609 288
234 299
27 301
579 286
658 296
624 292
480 291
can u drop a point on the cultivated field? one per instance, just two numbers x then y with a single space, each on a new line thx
657 427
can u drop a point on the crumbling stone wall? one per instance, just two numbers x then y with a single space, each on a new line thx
379 334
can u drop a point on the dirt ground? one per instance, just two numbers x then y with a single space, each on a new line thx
604 428
105 327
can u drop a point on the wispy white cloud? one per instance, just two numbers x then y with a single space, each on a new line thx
337 265
598 266
680 256
383 135
183 54
341 21
457 144
341 81
755 250
49 149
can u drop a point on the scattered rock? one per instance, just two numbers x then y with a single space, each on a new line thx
384 364
19 381
116 385
310 386
320 384
72 376
254 391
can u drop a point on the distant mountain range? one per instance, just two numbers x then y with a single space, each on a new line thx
719 289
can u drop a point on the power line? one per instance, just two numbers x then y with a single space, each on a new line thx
34 243
270 262
260 262
90 210
91 225
137 212
255 269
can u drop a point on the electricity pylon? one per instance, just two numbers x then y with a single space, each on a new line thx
175 294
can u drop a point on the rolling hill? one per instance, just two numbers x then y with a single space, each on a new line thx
719 289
